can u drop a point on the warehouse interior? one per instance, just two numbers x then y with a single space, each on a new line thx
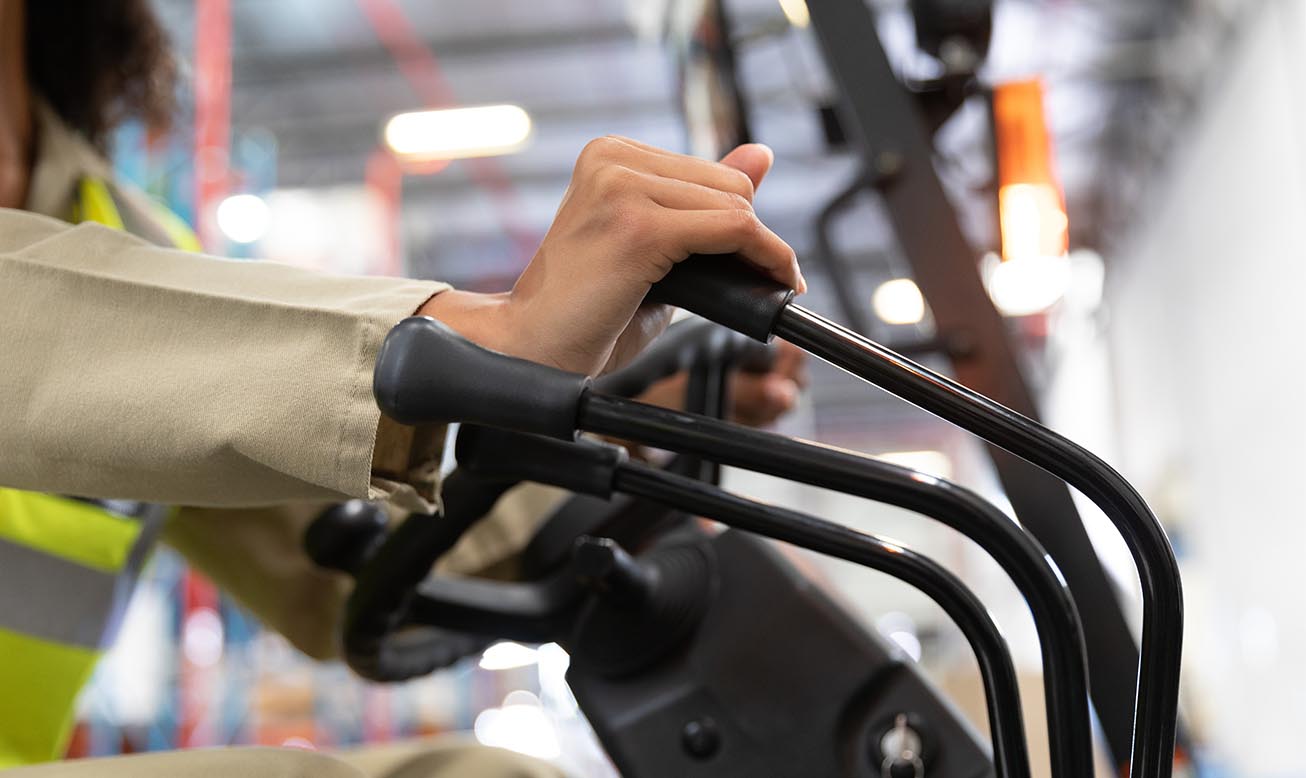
1158 333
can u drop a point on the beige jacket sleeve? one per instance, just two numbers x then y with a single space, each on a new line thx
136 372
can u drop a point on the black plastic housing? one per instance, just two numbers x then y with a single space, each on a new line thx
785 681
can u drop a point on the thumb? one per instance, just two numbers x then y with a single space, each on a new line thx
752 159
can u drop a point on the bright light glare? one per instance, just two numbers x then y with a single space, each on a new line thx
909 643
796 12
900 629
301 743
899 302
935 463
520 725
1032 220
508 656
458 133
1020 287
202 638
244 218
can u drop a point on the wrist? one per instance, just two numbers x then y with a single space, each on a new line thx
484 319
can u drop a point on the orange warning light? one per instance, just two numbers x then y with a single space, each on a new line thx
1031 208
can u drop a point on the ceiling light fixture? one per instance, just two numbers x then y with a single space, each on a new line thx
899 302
458 133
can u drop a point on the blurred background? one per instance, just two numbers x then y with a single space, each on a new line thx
1149 269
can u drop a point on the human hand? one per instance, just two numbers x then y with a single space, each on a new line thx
629 215
756 398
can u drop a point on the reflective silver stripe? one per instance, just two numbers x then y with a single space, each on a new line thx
54 599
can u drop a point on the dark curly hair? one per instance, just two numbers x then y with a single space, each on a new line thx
100 62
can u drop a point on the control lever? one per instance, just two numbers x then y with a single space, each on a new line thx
346 536
496 453
728 291
1022 558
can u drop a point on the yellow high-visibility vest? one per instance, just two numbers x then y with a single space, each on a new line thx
67 565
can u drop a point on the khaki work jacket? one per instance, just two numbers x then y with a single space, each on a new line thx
240 389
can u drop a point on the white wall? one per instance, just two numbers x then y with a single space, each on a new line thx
1208 339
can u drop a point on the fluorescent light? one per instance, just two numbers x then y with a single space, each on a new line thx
458 133
508 656
244 218
1033 221
796 12
1028 285
899 302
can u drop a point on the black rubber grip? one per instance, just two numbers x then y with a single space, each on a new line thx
726 290
428 374
585 466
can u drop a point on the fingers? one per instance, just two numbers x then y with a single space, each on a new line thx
732 231
791 363
613 150
686 196
752 159
698 207
760 399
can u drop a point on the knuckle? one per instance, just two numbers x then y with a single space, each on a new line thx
742 184
738 202
745 224
614 180
598 151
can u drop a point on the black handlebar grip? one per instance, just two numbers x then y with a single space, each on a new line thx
727 291
585 466
428 374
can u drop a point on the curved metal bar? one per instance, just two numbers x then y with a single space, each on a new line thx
1157 690
1002 695
1023 559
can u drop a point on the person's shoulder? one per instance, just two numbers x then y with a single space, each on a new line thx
62 159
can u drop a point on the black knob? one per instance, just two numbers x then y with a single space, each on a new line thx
701 738
344 536
611 572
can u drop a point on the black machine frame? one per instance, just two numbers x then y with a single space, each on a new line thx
399 625
1135 692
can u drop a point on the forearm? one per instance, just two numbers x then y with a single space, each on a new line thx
144 373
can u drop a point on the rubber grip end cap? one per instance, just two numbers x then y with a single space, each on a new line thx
428 374
726 290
